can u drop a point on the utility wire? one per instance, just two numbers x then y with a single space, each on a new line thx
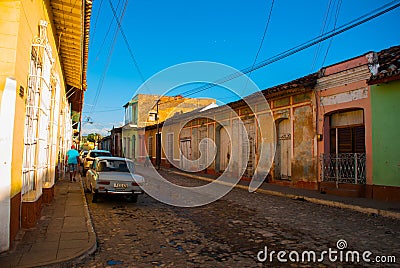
264 34
101 81
255 58
261 43
97 17
106 35
110 110
127 43
317 92
334 27
325 20
350 25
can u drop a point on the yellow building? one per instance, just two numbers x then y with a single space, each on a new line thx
140 112
43 60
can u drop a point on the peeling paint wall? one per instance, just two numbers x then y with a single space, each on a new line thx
304 162
298 108
349 96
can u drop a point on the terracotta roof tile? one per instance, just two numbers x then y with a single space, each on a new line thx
389 65
306 82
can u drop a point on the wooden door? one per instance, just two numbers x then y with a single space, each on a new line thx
203 147
224 149
186 150
283 152
249 126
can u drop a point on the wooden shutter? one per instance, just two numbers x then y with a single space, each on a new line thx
359 139
344 140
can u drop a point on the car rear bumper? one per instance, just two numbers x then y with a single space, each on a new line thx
106 191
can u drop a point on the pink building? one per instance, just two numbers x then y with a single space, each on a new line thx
344 126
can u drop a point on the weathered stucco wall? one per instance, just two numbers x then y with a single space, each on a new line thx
167 107
299 110
303 163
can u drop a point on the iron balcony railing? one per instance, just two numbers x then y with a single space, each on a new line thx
343 168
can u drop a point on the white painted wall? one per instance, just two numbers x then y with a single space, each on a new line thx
7 112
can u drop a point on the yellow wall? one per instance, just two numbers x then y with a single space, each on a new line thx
9 30
19 24
128 133
9 24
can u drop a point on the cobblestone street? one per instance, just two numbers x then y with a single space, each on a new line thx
230 232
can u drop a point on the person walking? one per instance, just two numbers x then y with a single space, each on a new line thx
72 160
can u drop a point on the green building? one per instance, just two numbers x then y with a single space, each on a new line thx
385 109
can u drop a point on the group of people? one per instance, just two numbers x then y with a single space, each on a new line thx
72 160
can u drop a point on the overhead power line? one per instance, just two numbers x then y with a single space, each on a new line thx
334 27
264 34
318 48
344 28
262 41
96 18
105 38
108 60
104 111
126 42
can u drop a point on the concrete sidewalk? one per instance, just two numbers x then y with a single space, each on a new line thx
363 205
64 234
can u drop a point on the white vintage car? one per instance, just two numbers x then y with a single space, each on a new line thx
111 175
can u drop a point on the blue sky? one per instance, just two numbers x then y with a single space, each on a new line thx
165 33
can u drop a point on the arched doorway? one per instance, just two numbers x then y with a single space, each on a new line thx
224 149
344 157
222 142
283 168
186 152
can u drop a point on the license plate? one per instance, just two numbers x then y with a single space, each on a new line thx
120 185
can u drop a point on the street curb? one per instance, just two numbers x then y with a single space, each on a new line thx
366 210
92 234
89 224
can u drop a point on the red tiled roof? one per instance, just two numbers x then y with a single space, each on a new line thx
389 66
298 85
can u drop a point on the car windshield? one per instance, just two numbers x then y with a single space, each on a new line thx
97 154
114 165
